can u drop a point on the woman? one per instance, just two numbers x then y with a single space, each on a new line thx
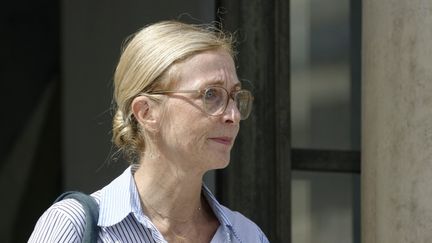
179 105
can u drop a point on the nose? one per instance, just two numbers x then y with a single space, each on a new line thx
232 113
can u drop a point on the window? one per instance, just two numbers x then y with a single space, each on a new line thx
325 120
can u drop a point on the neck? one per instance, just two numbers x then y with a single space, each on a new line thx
167 192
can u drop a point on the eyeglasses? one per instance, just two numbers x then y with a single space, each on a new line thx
215 99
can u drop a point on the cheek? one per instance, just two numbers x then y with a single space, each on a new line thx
187 130
192 139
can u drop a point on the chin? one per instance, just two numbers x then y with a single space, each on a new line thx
223 166
220 163
214 161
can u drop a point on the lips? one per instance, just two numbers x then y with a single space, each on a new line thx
222 140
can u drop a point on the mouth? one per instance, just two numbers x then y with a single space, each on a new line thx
222 140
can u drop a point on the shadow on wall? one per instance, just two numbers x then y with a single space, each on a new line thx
30 140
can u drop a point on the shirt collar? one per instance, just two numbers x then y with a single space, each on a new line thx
221 213
120 198
224 215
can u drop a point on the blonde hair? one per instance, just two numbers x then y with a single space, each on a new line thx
145 65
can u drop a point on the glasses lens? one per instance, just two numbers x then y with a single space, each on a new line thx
214 99
244 100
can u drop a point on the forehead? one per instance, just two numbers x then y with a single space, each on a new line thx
215 67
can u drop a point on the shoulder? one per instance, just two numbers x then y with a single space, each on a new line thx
245 229
64 221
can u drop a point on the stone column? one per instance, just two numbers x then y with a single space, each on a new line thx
397 121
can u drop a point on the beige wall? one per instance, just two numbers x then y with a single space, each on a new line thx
397 121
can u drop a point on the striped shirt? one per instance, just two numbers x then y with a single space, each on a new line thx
121 219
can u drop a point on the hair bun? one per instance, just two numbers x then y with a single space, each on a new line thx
125 135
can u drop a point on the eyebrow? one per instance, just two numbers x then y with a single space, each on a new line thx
219 83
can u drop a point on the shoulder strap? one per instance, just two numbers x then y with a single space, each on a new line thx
91 209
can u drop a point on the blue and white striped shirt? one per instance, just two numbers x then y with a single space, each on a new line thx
121 219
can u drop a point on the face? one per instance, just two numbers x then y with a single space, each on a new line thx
189 136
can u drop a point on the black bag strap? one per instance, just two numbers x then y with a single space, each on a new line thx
91 209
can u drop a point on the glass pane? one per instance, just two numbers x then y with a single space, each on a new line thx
321 95
325 207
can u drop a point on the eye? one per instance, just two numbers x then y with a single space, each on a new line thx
211 94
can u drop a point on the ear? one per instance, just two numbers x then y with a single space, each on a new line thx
144 111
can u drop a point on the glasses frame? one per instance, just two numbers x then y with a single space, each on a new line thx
231 95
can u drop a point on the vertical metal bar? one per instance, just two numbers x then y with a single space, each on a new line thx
356 69
283 121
